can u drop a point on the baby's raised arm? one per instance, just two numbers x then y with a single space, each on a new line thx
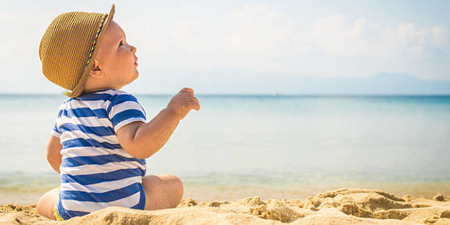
142 140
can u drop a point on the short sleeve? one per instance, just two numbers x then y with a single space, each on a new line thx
123 110
55 132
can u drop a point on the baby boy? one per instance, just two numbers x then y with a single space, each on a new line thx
101 137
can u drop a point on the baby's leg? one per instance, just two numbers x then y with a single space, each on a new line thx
162 191
46 204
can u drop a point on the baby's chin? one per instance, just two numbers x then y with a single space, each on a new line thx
136 75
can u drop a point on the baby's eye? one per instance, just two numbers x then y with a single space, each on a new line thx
121 43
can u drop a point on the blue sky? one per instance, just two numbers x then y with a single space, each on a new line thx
326 39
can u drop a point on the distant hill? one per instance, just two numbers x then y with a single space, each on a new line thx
234 81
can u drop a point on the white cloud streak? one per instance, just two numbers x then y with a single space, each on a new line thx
252 37
440 36
255 36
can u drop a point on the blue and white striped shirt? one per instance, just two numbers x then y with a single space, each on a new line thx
96 172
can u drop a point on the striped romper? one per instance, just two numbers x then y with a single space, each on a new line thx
96 172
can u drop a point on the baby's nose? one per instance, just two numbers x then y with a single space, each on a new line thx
133 49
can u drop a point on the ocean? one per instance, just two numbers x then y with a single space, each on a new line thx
268 146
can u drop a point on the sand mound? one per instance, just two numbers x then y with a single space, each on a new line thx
344 206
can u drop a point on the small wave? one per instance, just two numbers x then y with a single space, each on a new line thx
27 182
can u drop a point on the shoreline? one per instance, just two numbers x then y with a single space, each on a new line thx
25 195
342 206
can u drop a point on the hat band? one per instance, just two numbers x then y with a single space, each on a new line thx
95 40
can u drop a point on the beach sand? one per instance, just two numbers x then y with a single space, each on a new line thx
343 206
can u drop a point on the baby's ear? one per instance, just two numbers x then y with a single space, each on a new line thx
95 71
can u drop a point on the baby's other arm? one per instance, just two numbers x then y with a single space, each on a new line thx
142 140
54 156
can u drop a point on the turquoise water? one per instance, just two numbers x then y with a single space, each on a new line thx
272 146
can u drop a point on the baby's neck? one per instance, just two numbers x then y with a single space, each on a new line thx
93 85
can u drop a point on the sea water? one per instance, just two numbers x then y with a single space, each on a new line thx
271 146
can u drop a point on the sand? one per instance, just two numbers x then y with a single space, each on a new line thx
343 206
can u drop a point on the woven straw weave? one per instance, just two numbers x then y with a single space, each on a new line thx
66 46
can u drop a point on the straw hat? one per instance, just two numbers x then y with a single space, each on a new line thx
68 48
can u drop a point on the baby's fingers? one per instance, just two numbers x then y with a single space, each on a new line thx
194 103
187 90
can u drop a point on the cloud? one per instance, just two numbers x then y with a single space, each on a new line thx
440 36
264 31
336 36
260 34
256 37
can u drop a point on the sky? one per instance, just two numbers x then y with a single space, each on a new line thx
175 39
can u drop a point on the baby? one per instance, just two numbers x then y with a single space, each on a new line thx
101 139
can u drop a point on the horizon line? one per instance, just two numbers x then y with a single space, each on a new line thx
275 94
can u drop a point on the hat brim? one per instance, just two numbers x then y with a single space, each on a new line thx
79 88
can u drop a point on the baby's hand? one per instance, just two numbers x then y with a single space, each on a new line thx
183 102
